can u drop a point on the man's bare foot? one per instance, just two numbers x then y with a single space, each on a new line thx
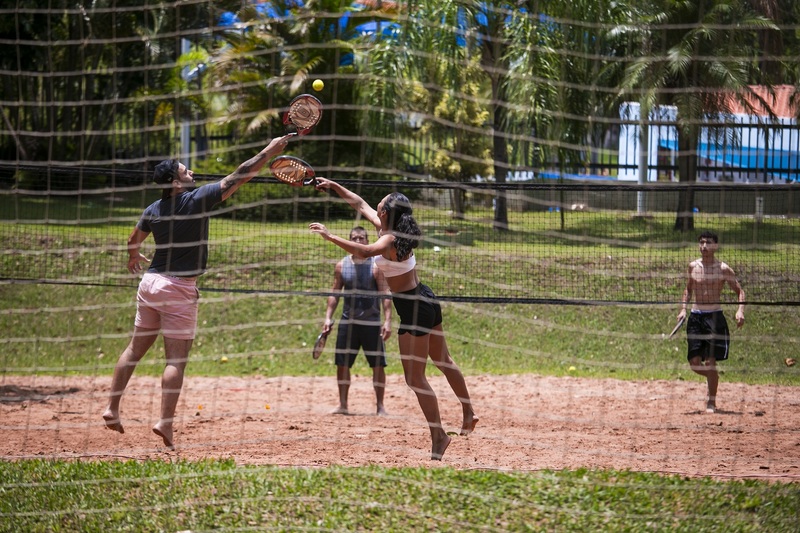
381 411
469 425
340 411
711 406
438 448
112 421
165 432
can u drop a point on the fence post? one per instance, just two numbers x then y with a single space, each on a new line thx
758 215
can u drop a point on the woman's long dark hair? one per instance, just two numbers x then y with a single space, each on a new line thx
404 228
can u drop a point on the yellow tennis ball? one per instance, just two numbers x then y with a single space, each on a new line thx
318 85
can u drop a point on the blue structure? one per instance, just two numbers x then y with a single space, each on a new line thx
755 148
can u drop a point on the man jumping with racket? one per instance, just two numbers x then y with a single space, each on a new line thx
167 298
360 281
706 328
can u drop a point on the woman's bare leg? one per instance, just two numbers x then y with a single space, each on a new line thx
414 356
440 355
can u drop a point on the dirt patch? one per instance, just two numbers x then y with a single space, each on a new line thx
527 422
15 394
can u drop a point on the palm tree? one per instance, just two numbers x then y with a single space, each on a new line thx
703 55
273 59
101 63
559 72
432 57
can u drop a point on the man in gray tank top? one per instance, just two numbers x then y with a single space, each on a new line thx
360 284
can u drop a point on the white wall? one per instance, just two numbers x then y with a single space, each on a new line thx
744 135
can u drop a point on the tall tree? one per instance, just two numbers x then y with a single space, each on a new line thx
564 94
432 51
272 55
699 56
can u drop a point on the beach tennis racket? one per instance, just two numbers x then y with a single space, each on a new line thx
292 170
303 113
678 326
319 345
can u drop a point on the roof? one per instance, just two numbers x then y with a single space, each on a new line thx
780 103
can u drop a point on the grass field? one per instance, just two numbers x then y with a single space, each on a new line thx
220 496
68 329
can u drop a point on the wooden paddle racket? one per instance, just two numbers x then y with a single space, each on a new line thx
320 345
678 326
304 112
292 170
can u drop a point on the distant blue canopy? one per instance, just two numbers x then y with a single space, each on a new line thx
746 158
265 9
384 28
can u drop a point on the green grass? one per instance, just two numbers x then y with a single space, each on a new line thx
79 330
219 495
601 255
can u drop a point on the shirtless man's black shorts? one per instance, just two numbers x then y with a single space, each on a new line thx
707 335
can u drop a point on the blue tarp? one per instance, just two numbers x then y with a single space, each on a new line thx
266 9
746 158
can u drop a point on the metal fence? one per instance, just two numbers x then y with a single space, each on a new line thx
568 243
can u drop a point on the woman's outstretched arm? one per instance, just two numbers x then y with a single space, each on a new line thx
355 201
379 247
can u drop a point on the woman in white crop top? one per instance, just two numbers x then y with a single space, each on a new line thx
420 334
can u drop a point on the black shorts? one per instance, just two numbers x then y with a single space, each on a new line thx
418 309
707 335
350 337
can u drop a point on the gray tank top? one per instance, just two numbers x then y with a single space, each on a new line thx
358 284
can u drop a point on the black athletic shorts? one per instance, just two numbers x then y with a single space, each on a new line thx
418 309
350 337
707 335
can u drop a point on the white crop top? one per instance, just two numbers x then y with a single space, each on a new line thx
391 268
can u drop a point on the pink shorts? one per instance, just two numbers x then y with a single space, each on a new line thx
169 304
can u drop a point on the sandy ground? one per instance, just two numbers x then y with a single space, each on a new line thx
527 422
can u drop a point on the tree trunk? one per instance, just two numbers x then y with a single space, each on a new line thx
500 156
457 202
687 170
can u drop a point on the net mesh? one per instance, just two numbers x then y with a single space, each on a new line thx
538 175
568 243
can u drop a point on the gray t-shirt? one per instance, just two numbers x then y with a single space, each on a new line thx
180 228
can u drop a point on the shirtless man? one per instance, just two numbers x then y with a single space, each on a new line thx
706 328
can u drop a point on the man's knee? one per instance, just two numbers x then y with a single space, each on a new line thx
696 364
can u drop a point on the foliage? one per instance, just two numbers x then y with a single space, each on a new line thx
698 56
462 150
550 78
276 202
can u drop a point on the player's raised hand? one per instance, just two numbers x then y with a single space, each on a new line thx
323 184
319 229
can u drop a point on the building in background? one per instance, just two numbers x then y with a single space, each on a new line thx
750 148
